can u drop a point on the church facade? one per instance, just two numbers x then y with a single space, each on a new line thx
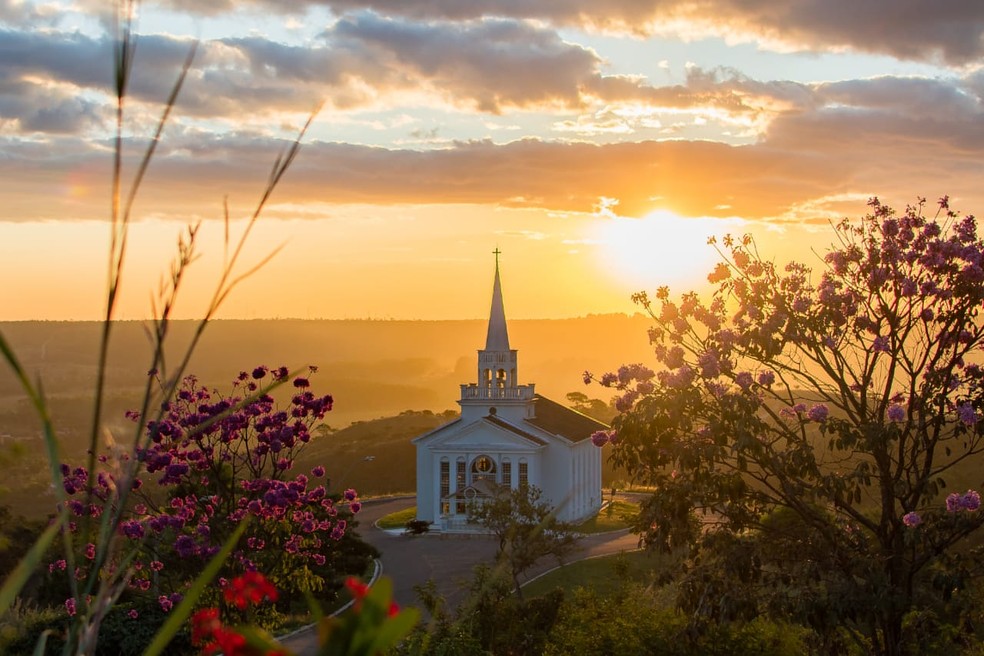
507 436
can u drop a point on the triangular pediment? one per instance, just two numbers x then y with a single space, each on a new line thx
486 433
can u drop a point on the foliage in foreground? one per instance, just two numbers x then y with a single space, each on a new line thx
823 416
111 545
526 528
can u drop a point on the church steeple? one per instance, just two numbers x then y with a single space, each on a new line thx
497 338
497 390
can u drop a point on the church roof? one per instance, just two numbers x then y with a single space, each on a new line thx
492 419
497 338
558 419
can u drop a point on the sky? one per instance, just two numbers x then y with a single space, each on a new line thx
597 145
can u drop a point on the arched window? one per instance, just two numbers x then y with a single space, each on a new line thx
445 477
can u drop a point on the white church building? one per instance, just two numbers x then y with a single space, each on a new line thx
507 436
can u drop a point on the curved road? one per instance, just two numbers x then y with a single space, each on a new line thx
447 559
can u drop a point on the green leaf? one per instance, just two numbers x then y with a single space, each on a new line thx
42 642
181 613
394 629
29 564
260 639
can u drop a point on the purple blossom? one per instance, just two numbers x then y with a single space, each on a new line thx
70 607
744 380
967 414
350 494
880 344
709 365
166 604
625 402
970 501
185 546
818 413
911 519
674 358
896 413
600 438
766 378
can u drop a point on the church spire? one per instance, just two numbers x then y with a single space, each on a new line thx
497 338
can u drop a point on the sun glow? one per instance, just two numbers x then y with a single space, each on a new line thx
660 249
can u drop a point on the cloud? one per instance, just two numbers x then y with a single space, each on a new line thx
850 140
907 29
492 64
489 66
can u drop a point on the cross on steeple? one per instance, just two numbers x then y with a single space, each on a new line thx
497 253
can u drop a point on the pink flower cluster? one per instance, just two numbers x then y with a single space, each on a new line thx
215 460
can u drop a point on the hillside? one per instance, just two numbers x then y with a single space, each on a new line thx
407 372
372 368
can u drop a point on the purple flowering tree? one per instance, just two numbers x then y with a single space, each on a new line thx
818 419
210 461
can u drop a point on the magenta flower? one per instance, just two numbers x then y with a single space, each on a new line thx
318 471
133 614
70 607
911 519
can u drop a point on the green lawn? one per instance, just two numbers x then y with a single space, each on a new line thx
398 519
601 574
613 517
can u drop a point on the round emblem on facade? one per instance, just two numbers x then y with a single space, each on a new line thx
483 464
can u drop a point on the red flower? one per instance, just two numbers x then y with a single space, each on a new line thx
358 589
250 588
228 642
204 624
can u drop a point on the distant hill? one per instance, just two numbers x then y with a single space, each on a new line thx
375 457
373 368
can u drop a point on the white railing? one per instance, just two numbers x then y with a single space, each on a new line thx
522 392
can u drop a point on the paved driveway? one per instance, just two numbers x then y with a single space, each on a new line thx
447 559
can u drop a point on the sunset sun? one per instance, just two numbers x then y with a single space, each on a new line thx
661 248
